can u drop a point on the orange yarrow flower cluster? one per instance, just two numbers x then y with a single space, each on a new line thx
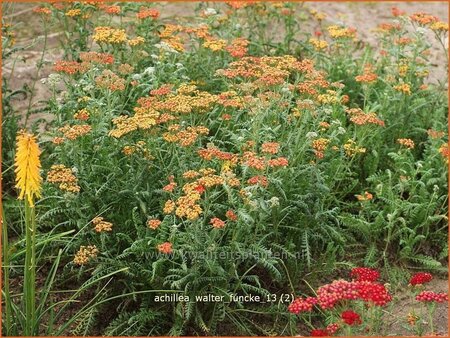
187 206
100 225
367 196
435 134
388 27
238 47
320 145
444 151
231 215
75 131
59 173
217 223
266 70
359 117
423 18
153 223
270 147
407 142
42 10
71 67
261 180
81 115
368 76
165 248
145 12
85 254
112 10
184 137
110 80
101 58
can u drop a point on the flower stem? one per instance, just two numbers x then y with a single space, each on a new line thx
30 269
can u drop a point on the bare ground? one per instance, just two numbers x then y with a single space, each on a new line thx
397 323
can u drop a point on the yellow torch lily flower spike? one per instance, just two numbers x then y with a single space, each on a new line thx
28 165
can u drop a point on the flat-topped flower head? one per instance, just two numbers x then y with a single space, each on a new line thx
85 254
420 278
100 225
351 318
430 297
165 248
217 223
302 305
153 223
365 274
406 142
109 35
319 333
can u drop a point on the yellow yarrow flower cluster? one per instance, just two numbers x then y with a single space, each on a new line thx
215 44
109 35
184 137
439 26
73 12
147 114
187 205
403 88
318 44
337 32
144 118
328 98
136 41
352 149
320 16
28 165
403 70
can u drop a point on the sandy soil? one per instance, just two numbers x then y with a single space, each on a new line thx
396 322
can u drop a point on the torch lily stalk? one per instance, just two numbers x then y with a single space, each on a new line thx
29 182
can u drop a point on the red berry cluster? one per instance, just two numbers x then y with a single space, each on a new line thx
328 295
302 305
319 333
430 296
420 278
332 328
365 274
351 318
